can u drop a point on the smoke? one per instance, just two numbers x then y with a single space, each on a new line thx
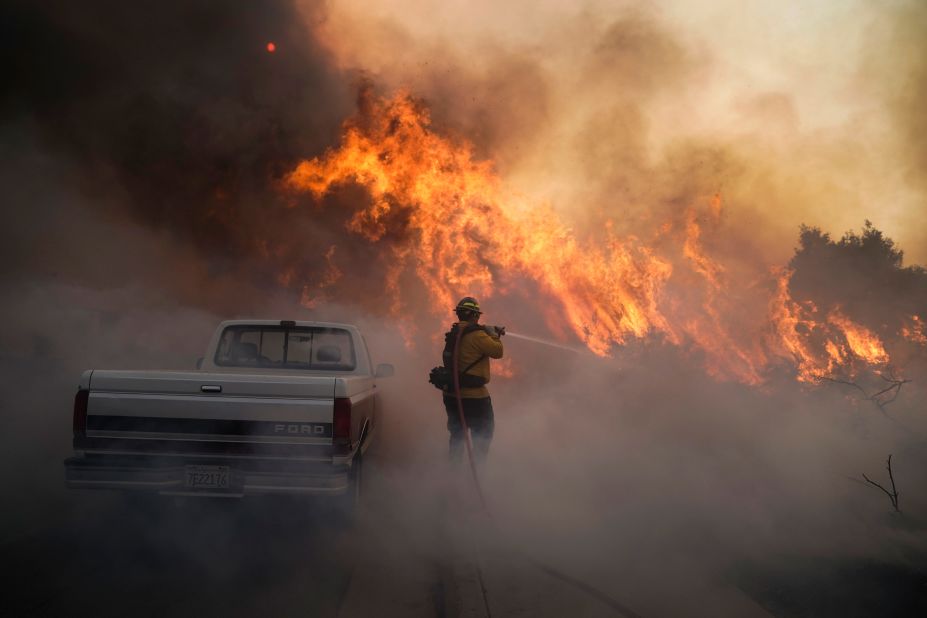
895 69
143 149
640 472
175 117
636 111
647 483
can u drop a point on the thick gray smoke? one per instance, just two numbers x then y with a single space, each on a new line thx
141 145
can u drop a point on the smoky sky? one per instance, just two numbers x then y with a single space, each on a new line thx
794 114
142 143
171 115
176 117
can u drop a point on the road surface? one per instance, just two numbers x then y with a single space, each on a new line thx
102 554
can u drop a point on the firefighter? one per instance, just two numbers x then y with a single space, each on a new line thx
477 345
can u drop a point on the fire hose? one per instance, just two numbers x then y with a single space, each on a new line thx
580 585
463 422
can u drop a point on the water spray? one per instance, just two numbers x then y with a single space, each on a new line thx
546 342
560 346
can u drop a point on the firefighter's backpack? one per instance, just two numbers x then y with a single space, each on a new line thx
442 377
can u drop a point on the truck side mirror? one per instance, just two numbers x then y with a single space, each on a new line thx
199 363
384 370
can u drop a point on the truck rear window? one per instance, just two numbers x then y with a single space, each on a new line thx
330 349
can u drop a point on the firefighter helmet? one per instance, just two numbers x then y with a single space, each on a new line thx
468 303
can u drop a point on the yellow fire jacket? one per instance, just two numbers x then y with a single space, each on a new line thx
473 346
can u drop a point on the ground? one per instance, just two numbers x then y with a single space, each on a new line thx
106 554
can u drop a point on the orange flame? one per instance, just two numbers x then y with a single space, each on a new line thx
916 331
445 216
862 342
725 356
793 325
818 347
465 234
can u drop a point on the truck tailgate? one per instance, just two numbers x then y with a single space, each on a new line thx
205 407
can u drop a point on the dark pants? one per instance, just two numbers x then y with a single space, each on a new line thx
479 417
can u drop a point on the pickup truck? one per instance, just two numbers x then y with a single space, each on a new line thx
275 407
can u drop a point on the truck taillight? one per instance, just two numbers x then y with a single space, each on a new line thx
341 430
80 412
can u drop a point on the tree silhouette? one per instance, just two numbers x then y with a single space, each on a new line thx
863 274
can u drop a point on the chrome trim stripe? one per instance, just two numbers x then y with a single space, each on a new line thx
119 425
199 455
192 437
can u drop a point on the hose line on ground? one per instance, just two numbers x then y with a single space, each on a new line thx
463 420
580 585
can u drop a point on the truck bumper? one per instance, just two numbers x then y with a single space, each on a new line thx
170 477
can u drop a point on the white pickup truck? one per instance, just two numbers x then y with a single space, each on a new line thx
277 407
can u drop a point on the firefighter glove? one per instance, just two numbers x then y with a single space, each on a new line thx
495 331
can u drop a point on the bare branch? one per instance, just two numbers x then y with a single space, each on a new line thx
871 482
876 398
894 386
846 382
891 477
893 494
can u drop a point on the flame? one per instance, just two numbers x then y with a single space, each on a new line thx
862 342
464 233
793 324
821 347
725 355
440 213
916 331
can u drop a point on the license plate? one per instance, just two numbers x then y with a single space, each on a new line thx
207 477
